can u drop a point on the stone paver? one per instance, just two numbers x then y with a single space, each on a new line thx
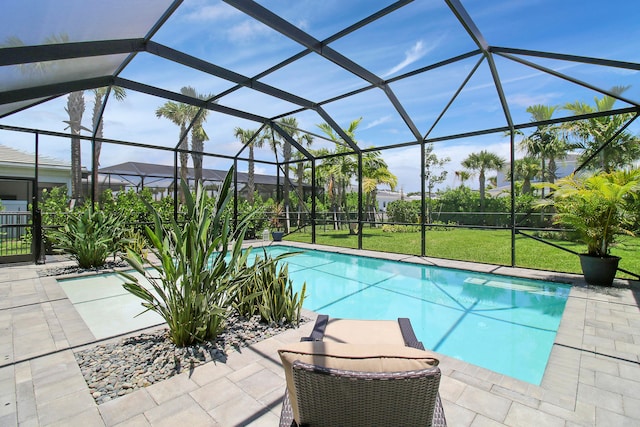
216 393
171 388
592 378
126 407
182 410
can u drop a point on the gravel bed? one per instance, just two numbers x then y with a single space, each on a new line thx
116 369
119 368
74 269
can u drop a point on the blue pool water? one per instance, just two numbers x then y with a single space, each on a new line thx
502 323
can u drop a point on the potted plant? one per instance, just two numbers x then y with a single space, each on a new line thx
598 209
274 222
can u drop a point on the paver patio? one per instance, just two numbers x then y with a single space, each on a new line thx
592 378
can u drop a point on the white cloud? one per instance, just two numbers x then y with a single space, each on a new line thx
304 25
525 100
247 31
417 51
377 122
217 12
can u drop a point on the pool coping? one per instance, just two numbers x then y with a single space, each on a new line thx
592 378
561 379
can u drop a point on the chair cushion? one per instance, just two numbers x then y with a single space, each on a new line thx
352 357
363 332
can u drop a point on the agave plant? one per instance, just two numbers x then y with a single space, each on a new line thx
88 237
195 281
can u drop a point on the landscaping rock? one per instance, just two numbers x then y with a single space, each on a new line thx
115 369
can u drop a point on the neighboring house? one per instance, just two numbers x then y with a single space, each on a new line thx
564 167
384 197
159 178
17 167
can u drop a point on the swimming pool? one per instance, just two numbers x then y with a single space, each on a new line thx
501 323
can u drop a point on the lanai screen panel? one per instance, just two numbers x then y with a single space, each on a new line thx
34 23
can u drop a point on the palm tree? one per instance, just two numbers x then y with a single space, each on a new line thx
245 135
545 142
525 169
339 169
98 127
482 162
179 114
375 172
75 109
322 173
592 134
198 135
463 176
299 169
289 125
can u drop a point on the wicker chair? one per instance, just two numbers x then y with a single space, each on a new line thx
335 397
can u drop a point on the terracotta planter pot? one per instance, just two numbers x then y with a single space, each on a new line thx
599 271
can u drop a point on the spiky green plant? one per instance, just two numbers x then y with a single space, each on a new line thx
194 282
597 207
88 236
269 292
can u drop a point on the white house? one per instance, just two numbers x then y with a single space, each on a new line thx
384 197
564 167
16 171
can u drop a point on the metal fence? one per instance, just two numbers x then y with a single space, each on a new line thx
15 233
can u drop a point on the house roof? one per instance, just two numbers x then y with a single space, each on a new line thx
147 170
10 155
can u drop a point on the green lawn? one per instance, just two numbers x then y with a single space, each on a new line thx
486 246
14 247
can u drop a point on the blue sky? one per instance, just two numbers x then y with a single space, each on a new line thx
415 36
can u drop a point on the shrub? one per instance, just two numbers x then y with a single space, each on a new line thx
88 236
257 219
435 226
389 228
403 211
441 226
54 206
195 282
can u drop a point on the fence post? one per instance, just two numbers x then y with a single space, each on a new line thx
38 248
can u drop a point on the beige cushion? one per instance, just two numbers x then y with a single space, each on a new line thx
352 357
363 332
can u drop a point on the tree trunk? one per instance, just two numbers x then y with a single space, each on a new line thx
97 144
552 170
75 109
331 190
197 145
482 182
